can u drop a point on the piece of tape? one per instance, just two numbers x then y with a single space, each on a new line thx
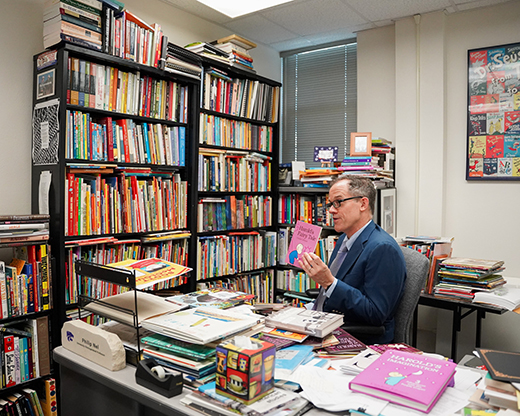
159 371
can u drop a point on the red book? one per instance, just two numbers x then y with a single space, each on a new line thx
126 154
219 93
405 378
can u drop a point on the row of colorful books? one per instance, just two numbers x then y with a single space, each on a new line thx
25 284
108 88
105 139
234 212
127 202
220 131
27 401
236 252
294 280
300 207
240 97
175 251
25 351
233 171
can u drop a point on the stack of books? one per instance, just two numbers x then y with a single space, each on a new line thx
462 277
318 177
237 49
209 51
74 21
179 61
23 229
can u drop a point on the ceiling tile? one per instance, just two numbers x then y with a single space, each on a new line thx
310 17
394 9
476 4
258 27
291 44
200 10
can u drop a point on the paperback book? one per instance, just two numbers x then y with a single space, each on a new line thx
180 348
148 272
405 378
304 239
213 298
315 323
200 325
289 359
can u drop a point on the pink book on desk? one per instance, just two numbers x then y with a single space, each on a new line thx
409 379
304 239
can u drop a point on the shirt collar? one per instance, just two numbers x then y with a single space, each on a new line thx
350 241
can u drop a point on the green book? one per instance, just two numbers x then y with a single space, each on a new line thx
181 348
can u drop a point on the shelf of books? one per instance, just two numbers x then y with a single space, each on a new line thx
26 306
113 142
238 135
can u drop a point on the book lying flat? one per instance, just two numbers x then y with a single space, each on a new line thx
405 378
502 365
200 325
289 359
148 272
469 263
180 348
503 297
213 298
346 343
315 323
148 305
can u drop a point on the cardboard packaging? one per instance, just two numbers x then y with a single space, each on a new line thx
245 369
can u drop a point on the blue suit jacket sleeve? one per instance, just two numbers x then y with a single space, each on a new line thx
370 280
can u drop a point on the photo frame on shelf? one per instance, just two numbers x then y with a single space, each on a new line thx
386 208
360 144
493 123
45 84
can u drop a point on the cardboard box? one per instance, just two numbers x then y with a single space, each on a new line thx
245 369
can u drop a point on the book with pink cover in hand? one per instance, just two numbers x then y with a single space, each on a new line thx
304 239
405 378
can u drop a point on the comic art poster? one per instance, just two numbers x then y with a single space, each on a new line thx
493 132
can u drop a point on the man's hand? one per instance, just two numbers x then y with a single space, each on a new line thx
316 269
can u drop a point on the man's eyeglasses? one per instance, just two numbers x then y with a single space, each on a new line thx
337 203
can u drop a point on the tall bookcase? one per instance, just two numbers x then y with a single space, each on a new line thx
113 131
238 180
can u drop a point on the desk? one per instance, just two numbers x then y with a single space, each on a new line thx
108 393
461 309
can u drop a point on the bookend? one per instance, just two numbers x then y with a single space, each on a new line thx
168 385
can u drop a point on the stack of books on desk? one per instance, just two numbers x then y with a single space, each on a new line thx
23 229
462 277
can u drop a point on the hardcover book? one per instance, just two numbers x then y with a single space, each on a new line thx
199 325
347 343
315 323
304 239
405 378
213 298
502 365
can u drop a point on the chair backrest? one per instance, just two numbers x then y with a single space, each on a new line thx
417 266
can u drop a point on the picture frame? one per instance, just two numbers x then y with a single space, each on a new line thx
360 144
493 114
45 84
386 209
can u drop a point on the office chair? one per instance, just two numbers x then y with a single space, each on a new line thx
417 266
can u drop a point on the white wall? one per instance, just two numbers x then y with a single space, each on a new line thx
430 62
21 31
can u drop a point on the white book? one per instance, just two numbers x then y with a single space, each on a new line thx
200 325
3 291
504 297
304 321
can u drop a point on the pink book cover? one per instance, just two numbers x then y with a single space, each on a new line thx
405 378
304 240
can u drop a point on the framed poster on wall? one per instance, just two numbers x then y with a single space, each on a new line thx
385 210
493 132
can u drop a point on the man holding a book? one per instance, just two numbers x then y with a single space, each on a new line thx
366 273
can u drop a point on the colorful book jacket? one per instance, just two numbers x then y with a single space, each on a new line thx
304 239
214 298
405 378
347 343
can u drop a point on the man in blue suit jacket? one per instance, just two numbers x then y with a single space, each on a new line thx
366 273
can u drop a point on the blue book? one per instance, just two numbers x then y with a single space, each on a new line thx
289 359
147 143
182 146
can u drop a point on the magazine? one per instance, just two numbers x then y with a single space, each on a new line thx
200 325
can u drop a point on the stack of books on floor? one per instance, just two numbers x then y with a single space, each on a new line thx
237 50
461 278
74 21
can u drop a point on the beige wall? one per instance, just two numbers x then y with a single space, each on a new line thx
21 31
428 99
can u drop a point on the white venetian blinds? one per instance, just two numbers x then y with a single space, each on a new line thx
319 101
